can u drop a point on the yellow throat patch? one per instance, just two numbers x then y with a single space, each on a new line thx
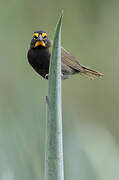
38 43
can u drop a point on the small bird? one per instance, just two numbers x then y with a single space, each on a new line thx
39 58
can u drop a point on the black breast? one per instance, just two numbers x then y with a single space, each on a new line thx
39 59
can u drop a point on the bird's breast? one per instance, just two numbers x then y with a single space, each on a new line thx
39 60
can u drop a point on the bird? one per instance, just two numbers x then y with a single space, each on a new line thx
39 58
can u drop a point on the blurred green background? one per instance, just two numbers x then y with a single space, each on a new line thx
90 108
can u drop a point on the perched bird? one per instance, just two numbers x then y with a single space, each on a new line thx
39 58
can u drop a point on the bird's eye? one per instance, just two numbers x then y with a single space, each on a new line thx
34 37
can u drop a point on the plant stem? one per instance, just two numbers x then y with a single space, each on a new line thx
54 145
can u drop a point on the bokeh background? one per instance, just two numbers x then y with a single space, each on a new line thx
90 108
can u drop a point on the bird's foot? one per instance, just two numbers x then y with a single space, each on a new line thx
46 76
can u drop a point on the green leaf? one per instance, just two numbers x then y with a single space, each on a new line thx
54 147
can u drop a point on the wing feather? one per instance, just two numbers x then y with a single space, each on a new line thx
72 63
70 60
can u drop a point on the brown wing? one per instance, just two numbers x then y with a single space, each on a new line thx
70 60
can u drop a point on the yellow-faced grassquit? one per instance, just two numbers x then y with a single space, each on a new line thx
39 58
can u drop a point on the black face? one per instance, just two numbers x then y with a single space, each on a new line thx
40 40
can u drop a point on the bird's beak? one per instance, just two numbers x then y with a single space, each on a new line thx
40 38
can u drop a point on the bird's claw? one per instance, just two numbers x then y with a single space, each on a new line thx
46 76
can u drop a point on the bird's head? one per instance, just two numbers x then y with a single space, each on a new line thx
40 40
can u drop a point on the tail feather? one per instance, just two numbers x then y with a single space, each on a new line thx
90 73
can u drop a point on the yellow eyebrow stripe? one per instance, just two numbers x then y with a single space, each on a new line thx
44 34
36 35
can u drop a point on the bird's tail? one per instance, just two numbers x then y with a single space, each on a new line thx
90 73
